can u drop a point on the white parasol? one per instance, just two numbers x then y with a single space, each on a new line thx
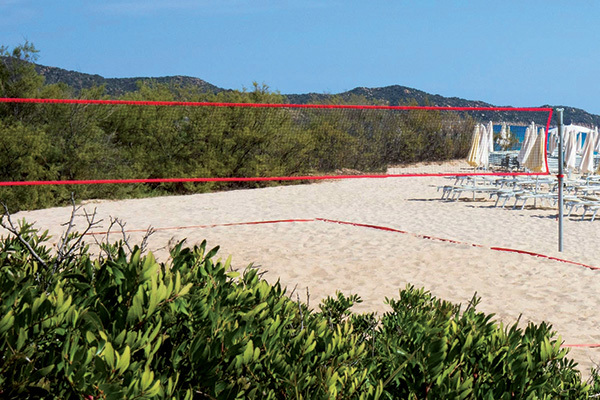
473 156
484 147
490 131
552 140
530 137
570 138
587 155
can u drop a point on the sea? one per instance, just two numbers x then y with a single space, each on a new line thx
519 132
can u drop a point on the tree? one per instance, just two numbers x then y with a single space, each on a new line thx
18 77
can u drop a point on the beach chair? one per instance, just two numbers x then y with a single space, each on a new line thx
447 190
524 196
505 194
589 203
590 207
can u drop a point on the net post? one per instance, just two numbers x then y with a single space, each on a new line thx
559 117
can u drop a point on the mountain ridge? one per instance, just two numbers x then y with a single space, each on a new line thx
388 95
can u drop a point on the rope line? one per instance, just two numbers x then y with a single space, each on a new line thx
382 228
266 105
369 226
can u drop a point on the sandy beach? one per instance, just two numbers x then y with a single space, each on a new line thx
306 246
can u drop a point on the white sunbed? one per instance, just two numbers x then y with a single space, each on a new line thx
505 194
525 195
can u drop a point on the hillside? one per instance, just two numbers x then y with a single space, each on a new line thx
116 86
397 95
390 95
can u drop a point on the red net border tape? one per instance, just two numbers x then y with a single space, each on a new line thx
378 227
361 225
260 105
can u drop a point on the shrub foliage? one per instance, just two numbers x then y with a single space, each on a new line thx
80 142
123 325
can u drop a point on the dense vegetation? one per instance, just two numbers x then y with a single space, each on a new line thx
121 325
77 142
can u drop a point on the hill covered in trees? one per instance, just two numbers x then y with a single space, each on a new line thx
389 95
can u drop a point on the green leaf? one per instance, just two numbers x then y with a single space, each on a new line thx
7 321
65 305
147 378
124 360
153 391
21 339
248 352
46 370
136 311
185 290
109 355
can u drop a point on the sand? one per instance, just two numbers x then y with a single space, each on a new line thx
324 256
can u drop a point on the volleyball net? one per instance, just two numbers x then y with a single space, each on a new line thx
67 142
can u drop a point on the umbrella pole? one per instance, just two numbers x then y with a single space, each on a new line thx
559 117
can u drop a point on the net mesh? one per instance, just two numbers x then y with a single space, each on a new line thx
53 141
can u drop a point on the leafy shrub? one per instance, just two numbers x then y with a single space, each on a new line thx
122 325
81 142
129 327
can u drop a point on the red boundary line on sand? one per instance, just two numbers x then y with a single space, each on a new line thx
177 228
361 225
382 228
260 105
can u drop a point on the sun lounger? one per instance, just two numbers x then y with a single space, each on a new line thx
473 189
505 195
447 190
590 207
524 196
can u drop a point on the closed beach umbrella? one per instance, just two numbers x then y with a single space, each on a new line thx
484 147
524 145
570 138
490 131
552 140
530 137
536 160
473 156
587 155
597 147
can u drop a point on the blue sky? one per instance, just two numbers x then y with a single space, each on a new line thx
518 53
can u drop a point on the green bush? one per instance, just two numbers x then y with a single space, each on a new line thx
121 325
84 141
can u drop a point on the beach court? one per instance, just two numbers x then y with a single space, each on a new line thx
327 236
